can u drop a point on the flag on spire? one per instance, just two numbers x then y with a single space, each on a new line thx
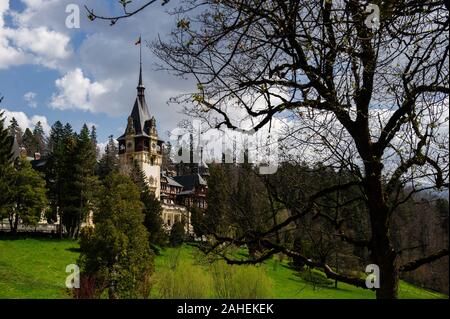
138 41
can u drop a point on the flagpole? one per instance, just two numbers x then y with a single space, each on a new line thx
140 49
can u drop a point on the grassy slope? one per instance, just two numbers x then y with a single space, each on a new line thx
35 268
287 285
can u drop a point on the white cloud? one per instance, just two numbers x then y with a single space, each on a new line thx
75 91
4 7
21 43
30 98
25 121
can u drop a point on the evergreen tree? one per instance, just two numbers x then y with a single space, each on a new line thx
110 161
138 176
117 253
153 221
15 131
198 221
177 234
27 194
29 143
6 143
80 160
93 136
70 175
39 138
219 199
6 155
54 170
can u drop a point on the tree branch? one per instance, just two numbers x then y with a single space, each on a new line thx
413 265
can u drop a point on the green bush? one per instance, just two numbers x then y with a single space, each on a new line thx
240 282
177 234
182 280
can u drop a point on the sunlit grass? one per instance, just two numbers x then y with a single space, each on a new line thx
35 268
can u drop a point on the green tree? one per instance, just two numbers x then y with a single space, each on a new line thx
54 170
177 234
153 221
39 138
79 181
70 175
6 143
28 195
109 161
219 199
6 155
118 254
138 176
29 142
15 130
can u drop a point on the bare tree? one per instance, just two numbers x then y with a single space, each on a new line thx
368 95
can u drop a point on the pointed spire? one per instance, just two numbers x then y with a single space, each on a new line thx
140 87
140 75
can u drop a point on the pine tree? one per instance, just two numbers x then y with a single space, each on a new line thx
110 161
93 136
153 221
54 169
6 156
177 234
138 177
78 181
117 253
6 143
15 130
28 195
219 199
39 137
29 142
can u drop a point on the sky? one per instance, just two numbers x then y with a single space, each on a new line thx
50 72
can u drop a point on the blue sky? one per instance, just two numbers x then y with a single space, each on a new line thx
49 72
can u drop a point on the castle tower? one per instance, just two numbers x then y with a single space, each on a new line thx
140 144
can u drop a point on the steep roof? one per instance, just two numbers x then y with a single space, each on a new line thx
171 181
189 182
140 114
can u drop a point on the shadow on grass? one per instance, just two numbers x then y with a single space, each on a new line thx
74 249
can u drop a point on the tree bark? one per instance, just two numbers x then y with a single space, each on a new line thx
382 250
16 223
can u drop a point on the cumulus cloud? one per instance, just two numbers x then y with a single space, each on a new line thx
22 44
30 98
98 64
25 121
75 91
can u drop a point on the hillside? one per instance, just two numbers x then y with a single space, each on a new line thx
35 268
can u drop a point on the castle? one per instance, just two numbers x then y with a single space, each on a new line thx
140 145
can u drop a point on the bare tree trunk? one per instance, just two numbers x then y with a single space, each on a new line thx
10 220
382 251
16 223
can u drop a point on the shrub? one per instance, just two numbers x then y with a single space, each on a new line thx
182 280
240 282
177 234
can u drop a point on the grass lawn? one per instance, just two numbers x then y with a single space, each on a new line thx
35 268
288 285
